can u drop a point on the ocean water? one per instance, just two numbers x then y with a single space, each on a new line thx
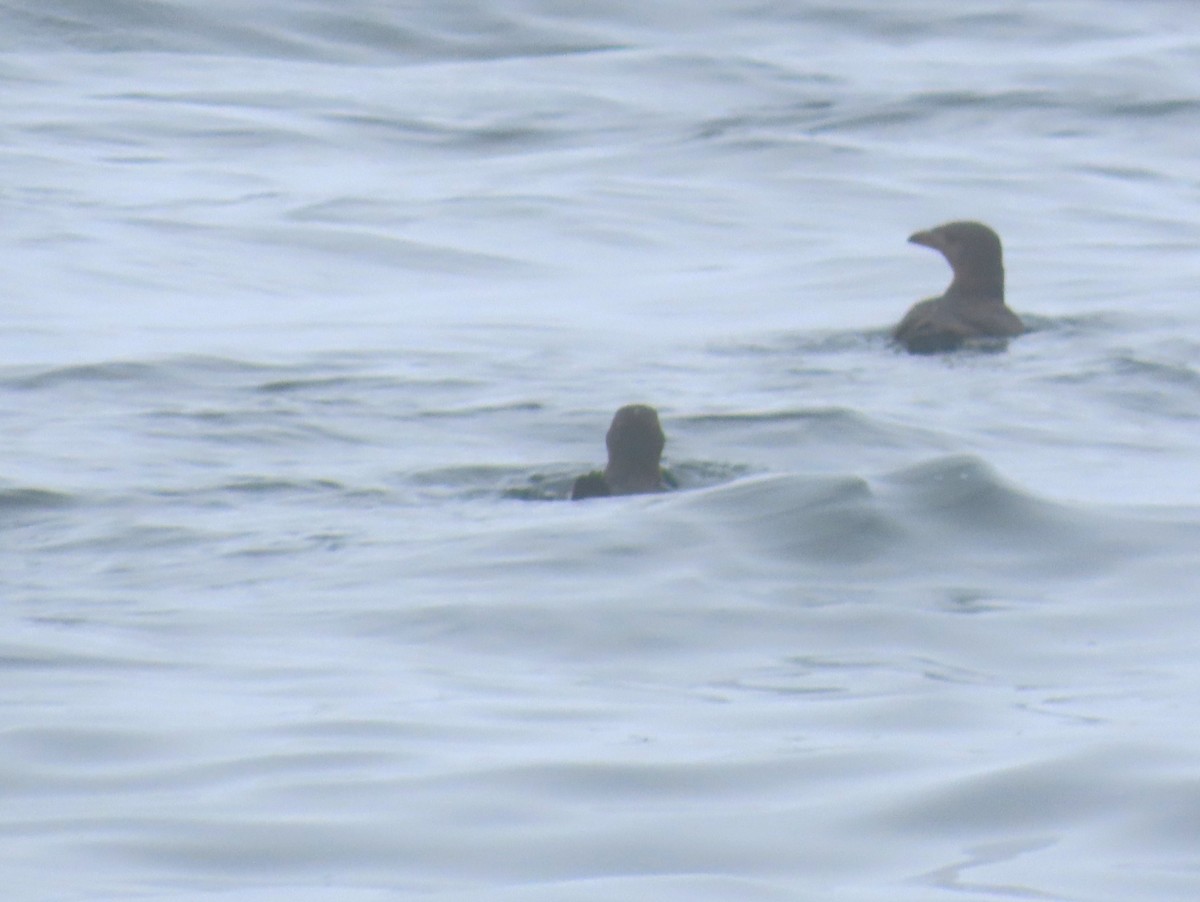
312 310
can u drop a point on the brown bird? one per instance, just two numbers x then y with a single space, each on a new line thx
635 443
973 306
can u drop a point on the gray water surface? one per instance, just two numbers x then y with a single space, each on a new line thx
312 311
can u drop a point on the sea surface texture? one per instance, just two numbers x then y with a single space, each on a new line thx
311 311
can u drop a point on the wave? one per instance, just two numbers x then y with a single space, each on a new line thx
18 499
152 373
359 32
950 515
831 424
953 520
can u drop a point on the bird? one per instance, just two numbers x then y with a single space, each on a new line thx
635 443
972 307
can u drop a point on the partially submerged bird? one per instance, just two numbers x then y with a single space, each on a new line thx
635 443
972 307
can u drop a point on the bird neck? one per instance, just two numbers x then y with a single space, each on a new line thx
985 284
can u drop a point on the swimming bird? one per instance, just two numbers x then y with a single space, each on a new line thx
635 443
973 305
